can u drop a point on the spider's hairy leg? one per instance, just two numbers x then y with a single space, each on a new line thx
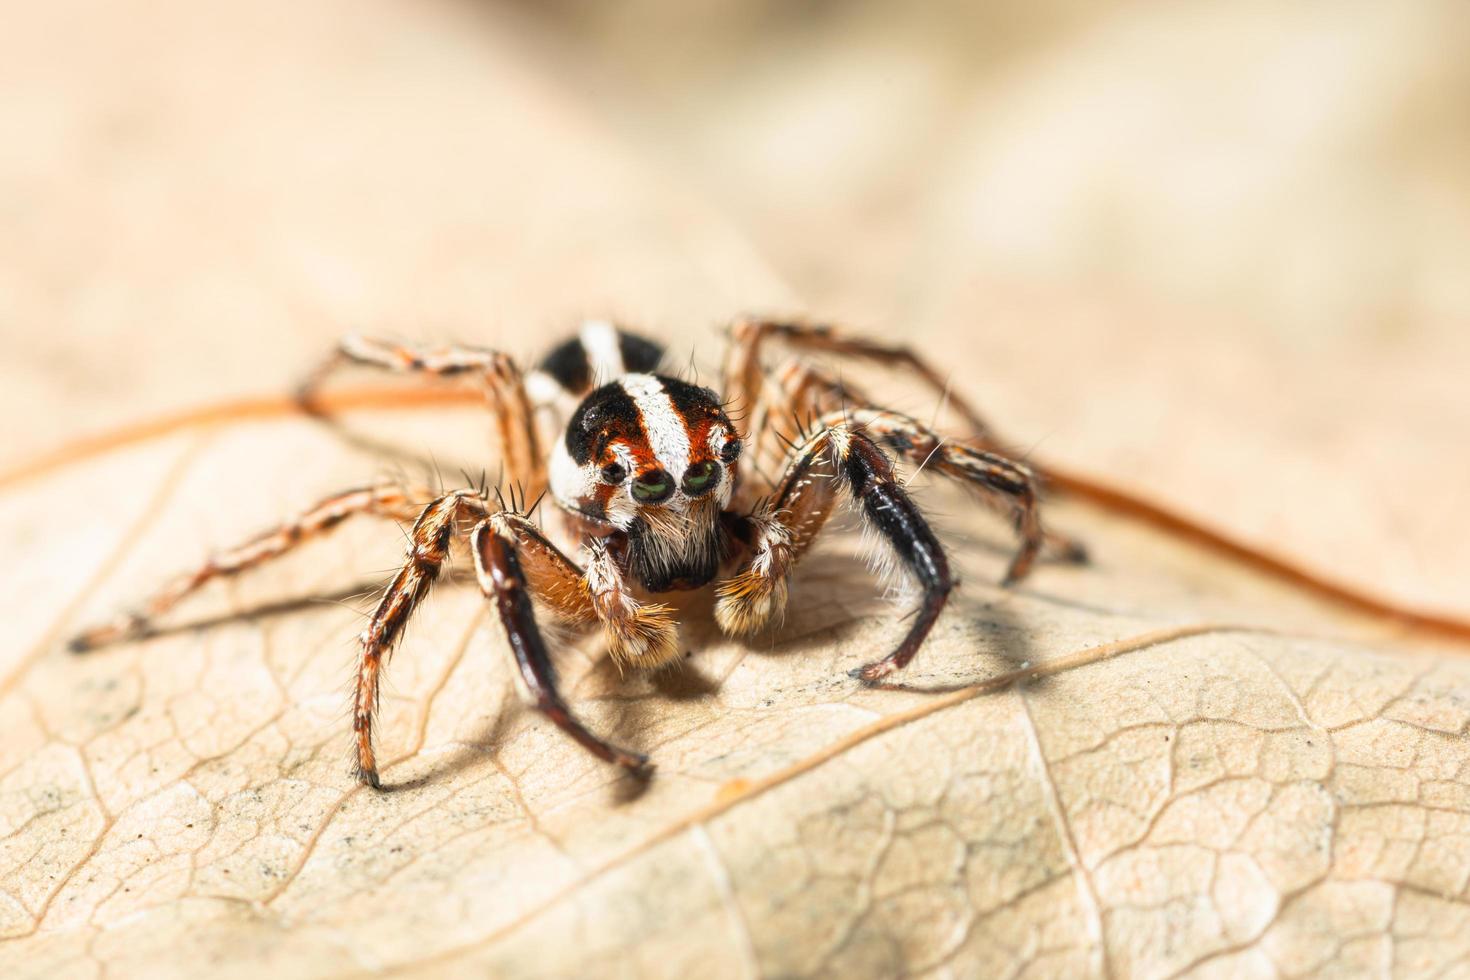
836 458
428 549
811 391
1001 481
889 510
748 333
502 379
503 580
783 528
390 500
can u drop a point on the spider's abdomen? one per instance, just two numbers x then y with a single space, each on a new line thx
599 353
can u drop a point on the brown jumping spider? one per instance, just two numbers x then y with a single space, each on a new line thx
664 492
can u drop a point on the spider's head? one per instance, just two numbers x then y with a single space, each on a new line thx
654 457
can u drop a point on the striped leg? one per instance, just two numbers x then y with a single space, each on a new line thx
504 581
838 456
505 391
428 549
743 375
808 392
385 500
1000 481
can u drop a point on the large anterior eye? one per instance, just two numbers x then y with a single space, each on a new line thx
653 486
700 477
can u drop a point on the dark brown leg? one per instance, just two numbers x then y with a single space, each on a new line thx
1003 482
504 582
639 634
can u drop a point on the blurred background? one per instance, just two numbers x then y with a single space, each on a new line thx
1211 251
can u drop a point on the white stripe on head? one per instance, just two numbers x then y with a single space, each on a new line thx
604 354
667 436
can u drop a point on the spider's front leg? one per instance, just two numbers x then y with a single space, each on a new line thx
837 457
497 547
428 549
499 542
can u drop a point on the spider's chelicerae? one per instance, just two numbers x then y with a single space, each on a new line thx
663 490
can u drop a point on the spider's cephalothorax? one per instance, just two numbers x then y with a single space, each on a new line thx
647 468
655 458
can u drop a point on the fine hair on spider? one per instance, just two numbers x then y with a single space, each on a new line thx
662 486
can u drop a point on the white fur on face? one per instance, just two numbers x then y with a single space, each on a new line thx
667 436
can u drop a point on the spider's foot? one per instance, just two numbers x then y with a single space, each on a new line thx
130 626
636 763
873 673
1065 548
368 777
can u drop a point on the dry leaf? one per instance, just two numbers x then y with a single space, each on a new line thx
1175 788
1163 764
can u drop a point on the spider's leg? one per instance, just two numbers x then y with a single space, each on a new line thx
783 528
504 386
839 456
640 635
504 581
744 377
428 548
1001 481
384 500
811 391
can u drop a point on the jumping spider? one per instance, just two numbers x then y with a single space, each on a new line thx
662 489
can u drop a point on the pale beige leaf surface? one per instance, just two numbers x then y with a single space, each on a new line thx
1205 774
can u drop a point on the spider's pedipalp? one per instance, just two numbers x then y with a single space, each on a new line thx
639 635
747 602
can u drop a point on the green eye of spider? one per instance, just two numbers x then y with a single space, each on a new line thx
652 486
700 477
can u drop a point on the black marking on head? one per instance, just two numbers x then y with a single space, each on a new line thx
569 365
694 403
606 413
640 355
